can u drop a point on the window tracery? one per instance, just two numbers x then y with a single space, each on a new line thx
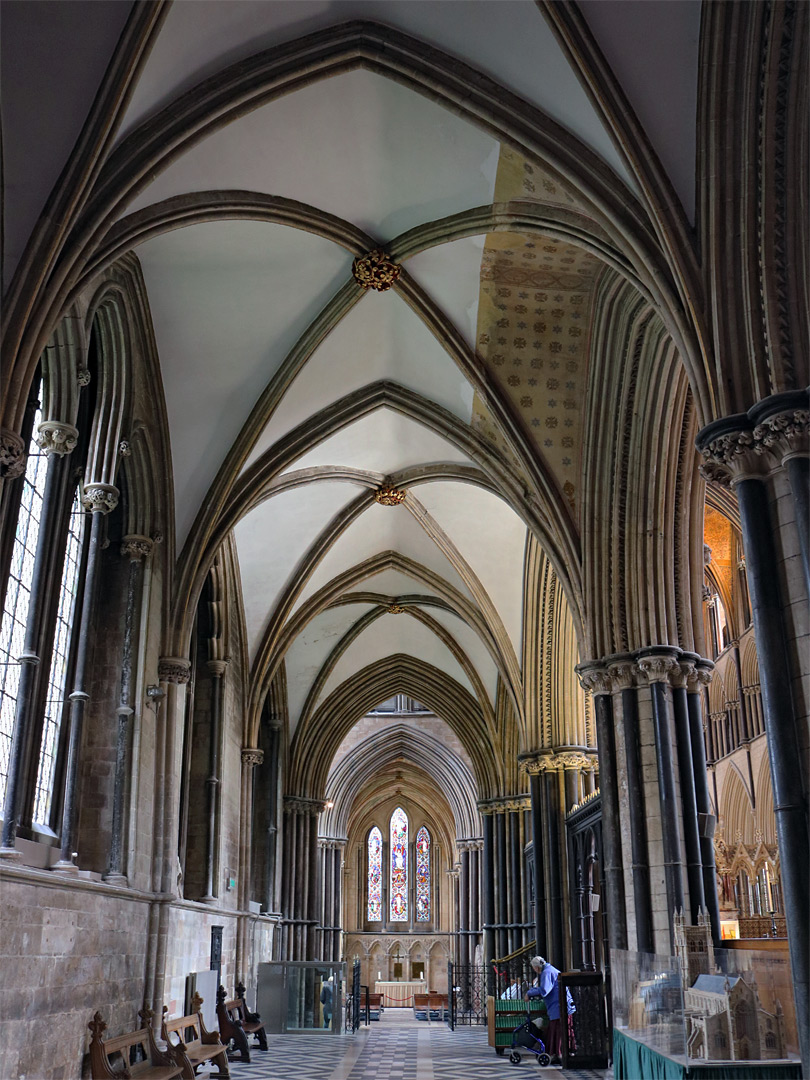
423 875
375 843
399 865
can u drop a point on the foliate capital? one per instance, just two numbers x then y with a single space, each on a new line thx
623 675
12 455
594 677
784 435
252 756
135 547
535 764
657 666
731 457
54 437
100 498
297 804
174 669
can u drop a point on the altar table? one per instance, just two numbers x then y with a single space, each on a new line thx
399 994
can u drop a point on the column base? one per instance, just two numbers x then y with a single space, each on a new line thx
116 879
10 853
65 866
207 900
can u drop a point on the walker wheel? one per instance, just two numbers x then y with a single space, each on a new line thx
543 1059
514 1057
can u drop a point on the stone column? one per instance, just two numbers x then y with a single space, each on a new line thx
137 549
488 887
701 675
463 910
595 678
57 441
736 453
657 663
251 757
533 768
679 676
99 499
269 891
622 673
217 668
300 876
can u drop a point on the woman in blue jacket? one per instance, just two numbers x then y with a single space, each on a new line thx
547 987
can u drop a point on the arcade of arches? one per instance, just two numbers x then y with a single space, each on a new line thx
404 523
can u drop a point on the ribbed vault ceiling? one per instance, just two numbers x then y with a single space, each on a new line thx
292 395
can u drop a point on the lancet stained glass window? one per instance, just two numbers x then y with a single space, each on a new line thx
57 681
18 595
375 875
423 875
399 866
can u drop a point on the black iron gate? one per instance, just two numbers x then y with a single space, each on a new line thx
467 993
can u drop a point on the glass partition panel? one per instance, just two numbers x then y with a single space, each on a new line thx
648 1000
302 997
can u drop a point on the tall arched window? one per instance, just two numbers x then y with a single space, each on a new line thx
57 679
423 875
399 866
375 875
18 595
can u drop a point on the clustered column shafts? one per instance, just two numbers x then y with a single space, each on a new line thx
269 885
536 795
686 771
217 668
622 673
137 549
100 499
701 675
25 722
741 451
300 884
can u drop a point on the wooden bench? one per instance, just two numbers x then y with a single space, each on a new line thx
203 1045
374 1006
437 1006
148 1063
237 1022
421 1004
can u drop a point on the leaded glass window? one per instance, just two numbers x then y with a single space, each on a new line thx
399 866
423 875
18 596
57 680
375 843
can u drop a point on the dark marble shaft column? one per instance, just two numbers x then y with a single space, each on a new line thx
554 888
217 669
462 922
686 772
79 697
703 804
783 744
535 789
594 677
136 549
623 676
798 470
656 663
24 720
488 889
269 890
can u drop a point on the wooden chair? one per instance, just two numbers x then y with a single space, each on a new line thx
154 1064
203 1045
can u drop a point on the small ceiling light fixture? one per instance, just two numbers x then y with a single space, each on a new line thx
375 270
389 496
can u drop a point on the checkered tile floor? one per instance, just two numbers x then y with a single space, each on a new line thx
395 1048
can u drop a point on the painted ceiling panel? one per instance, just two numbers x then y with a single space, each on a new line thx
387 636
382 528
384 442
271 540
494 548
310 650
508 40
228 301
52 58
357 145
380 338
450 274
652 46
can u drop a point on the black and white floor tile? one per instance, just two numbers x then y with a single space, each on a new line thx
395 1048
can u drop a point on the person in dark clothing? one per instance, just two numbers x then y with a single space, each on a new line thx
326 1001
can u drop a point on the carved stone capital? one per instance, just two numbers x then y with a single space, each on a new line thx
12 455
252 756
535 764
784 435
100 498
135 547
623 674
217 667
174 669
476 844
574 759
505 805
297 804
732 456
658 665
54 437
594 676
375 270
704 669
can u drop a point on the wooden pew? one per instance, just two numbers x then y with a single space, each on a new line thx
251 1021
374 1006
154 1063
203 1045
421 1003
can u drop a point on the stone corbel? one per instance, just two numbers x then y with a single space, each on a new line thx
12 455
100 498
135 547
174 669
252 756
595 677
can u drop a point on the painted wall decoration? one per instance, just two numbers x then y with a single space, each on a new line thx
423 875
399 865
374 875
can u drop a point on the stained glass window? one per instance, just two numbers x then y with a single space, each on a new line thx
54 706
18 596
375 875
423 875
399 866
